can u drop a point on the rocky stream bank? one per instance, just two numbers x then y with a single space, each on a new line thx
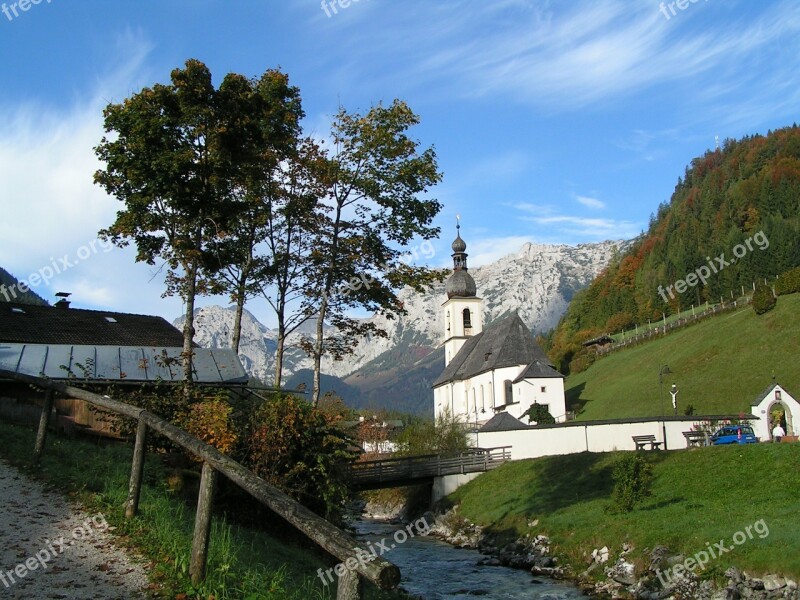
608 574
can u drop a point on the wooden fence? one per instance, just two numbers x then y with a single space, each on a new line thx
329 537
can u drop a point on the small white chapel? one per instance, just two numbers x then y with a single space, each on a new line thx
500 369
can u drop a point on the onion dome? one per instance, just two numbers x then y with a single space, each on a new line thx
460 284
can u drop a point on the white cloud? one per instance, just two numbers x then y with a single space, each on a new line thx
52 210
556 227
487 250
593 203
568 55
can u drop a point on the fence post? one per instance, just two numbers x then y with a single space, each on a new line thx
350 587
137 467
202 524
44 419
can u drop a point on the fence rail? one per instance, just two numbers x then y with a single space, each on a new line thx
394 470
336 542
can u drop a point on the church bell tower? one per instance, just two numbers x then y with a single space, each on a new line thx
463 310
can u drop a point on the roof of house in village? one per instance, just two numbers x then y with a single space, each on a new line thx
503 421
760 398
29 324
106 364
505 343
599 341
538 370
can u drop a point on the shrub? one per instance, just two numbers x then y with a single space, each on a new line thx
763 299
211 422
296 448
540 414
788 282
447 435
633 477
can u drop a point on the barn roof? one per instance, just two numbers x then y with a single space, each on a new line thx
29 324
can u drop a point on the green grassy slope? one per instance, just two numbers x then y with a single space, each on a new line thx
700 497
719 365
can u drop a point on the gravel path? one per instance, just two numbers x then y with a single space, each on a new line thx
51 549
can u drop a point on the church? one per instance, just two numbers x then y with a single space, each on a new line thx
499 369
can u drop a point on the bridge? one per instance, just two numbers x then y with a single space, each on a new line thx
397 472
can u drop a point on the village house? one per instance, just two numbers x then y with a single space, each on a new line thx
98 347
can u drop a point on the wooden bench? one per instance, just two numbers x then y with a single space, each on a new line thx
695 438
643 440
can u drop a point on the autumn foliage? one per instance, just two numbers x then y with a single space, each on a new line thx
298 449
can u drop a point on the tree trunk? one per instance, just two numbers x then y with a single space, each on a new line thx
279 353
188 323
237 320
318 347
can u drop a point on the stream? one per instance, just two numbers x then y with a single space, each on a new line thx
433 570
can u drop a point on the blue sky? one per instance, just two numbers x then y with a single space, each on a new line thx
557 122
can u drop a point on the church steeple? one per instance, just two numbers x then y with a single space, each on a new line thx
460 284
463 310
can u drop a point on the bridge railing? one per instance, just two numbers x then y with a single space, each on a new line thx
429 465
336 542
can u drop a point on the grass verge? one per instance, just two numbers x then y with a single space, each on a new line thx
243 563
700 497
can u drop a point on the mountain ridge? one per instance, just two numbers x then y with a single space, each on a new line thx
395 372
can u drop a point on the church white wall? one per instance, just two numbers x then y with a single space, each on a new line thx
574 438
486 392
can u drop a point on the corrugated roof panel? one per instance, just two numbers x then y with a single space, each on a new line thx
10 355
159 364
204 367
107 365
57 356
229 365
126 363
84 362
131 364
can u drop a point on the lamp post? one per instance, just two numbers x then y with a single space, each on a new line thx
663 370
483 411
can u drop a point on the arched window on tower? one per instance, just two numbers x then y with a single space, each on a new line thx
448 320
509 392
467 319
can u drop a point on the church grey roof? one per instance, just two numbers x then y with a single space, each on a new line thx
459 245
503 421
505 343
460 284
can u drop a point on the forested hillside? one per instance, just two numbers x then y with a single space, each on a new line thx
733 219
10 292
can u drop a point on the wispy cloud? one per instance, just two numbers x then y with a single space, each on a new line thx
556 227
570 55
593 203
